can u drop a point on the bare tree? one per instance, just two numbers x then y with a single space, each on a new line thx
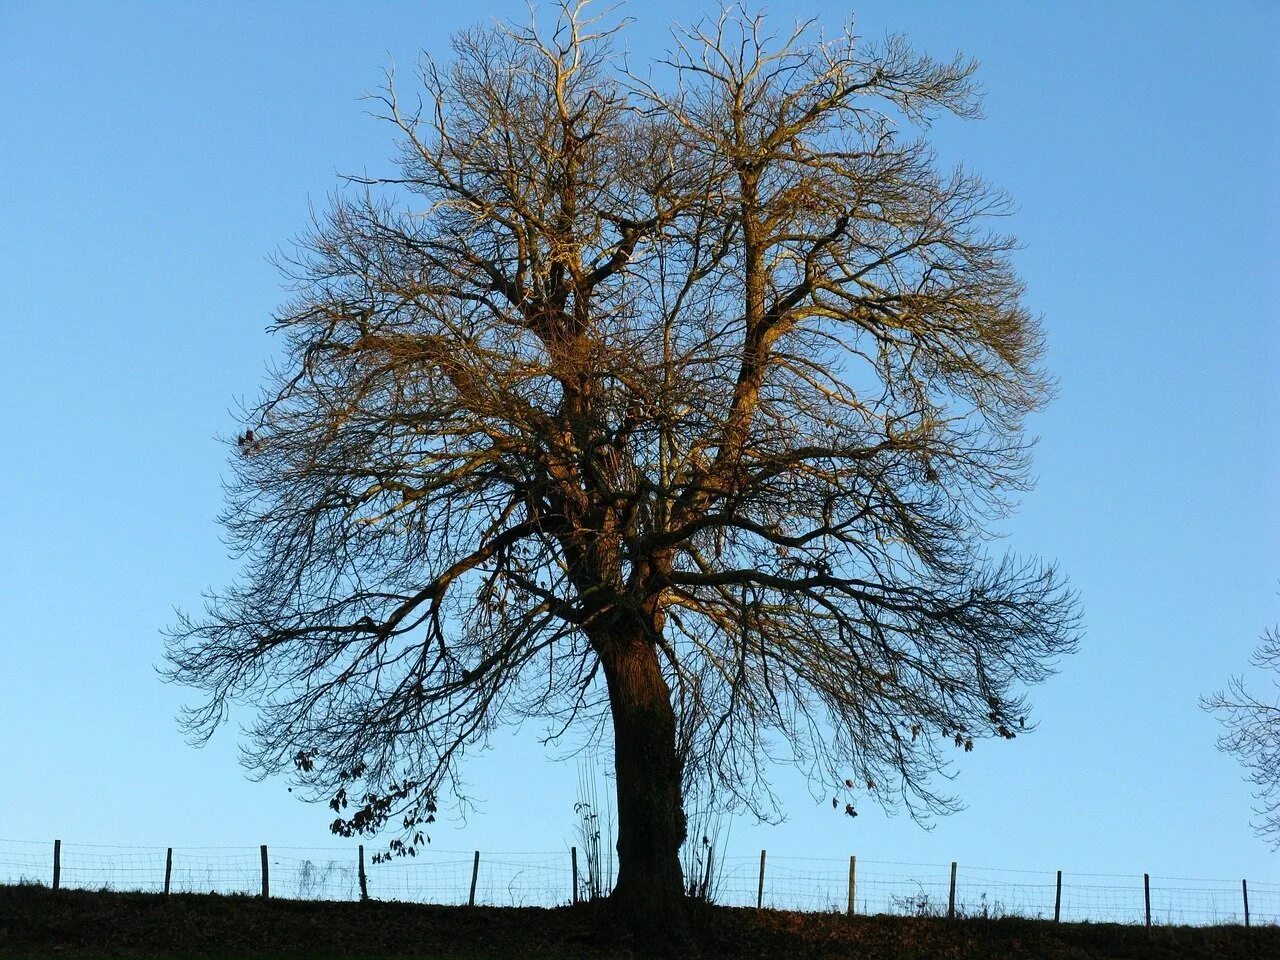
678 411
1252 734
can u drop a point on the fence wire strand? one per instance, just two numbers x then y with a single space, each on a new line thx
545 879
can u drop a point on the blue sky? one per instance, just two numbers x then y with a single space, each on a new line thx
155 155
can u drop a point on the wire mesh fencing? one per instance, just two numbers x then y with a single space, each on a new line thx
501 879
547 879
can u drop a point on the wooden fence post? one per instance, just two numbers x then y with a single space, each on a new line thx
706 880
168 869
951 897
853 884
760 888
475 873
573 855
1057 899
1146 895
266 874
57 863
364 879
1244 890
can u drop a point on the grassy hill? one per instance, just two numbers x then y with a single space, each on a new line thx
38 922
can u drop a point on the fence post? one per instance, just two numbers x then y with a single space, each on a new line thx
1057 899
1244 889
168 869
364 879
266 874
951 897
57 863
853 883
573 854
475 873
760 888
1146 895
706 880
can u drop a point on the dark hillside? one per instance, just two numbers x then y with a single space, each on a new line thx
38 922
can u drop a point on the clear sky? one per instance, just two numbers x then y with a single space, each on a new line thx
154 155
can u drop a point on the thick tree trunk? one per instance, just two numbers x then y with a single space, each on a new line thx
651 821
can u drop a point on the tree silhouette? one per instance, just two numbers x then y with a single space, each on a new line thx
678 411
1252 733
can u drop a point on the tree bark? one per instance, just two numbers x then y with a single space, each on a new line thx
651 820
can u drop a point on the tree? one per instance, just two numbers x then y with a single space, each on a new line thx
1252 734
681 412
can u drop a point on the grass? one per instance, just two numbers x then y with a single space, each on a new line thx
38 922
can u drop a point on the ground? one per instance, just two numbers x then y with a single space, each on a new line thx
38 922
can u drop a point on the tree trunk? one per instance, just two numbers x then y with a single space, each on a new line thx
651 820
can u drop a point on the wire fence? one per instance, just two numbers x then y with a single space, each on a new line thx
548 879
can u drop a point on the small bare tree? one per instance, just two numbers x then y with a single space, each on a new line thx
1252 734
679 412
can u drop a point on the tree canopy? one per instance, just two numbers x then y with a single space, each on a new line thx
678 404
1251 732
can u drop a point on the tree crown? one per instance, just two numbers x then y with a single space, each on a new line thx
722 357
